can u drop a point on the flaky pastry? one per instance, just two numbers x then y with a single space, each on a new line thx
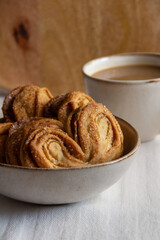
61 106
97 132
70 130
25 102
42 143
4 128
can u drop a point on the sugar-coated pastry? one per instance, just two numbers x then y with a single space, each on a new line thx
16 134
52 107
8 104
42 143
25 102
61 106
70 130
4 128
97 132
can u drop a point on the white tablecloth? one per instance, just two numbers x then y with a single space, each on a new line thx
129 210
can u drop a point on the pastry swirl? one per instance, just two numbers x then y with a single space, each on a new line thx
61 106
4 128
16 134
97 132
70 130
25 102
42 143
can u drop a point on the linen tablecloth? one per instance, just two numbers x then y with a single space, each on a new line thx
129 210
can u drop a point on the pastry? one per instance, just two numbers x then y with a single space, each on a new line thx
4 128
70 130
42 143
25 102
52 107
61 106
8 103
97 132
16 133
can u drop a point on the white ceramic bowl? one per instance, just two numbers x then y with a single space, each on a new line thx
58 186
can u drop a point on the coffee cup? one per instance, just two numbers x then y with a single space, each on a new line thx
136 101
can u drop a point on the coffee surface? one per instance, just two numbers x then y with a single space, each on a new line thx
132 72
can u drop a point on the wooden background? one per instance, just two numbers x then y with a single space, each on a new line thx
47 42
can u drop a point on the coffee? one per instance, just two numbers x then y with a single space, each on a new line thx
130 72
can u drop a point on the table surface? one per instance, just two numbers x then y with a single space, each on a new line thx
129 210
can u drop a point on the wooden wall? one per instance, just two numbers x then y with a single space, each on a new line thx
47 42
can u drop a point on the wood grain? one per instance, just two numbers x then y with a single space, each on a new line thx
47 42
19 43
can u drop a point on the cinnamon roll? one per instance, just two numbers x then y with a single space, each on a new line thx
97 132
25 102
61 106
4 128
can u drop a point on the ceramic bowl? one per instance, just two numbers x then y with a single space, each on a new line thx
59 186
136 101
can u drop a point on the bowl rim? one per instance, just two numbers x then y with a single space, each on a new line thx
124 157
103 58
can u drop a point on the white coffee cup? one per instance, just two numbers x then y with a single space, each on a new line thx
137 101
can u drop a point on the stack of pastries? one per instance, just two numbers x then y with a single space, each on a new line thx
70 130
